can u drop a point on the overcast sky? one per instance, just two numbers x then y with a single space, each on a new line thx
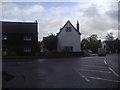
94 17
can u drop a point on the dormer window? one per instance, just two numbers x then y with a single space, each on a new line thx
27 38
4 37
68 29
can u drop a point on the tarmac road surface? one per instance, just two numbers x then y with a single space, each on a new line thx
75 72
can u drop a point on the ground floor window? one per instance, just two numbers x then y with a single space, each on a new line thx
27 49
69 48
27 38
4 51
4 37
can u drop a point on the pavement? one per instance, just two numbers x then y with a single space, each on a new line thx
73 72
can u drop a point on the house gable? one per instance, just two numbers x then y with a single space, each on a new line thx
71 25
69 38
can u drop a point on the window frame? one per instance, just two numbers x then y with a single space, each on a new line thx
27 38
68 29
4 37
4 49
69 48
27 49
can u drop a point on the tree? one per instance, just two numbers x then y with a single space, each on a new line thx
94 37
85 44
50 42
117 45
91 43
109 37
110 42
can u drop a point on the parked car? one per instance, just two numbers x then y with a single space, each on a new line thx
90 51
101 52
87 52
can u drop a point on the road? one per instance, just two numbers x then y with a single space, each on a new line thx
74 72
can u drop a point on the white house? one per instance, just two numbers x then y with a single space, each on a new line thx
69 38
104 45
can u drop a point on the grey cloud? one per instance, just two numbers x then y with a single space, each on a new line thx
91 11
13 10
95 22
98 21
51 19
113 11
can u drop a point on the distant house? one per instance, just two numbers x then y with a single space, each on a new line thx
69 38
19 38
104 45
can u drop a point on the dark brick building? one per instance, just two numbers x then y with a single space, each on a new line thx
19 38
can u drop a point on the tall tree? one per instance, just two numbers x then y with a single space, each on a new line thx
94 37
109 37
110 42
91 42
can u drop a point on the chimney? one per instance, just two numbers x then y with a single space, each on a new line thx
77 26
36 21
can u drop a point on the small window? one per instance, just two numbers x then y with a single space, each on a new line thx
104 46
27 49
27 38
66 48
4 51
69 48
68 29
4 37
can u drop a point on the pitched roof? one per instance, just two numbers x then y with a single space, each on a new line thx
71 25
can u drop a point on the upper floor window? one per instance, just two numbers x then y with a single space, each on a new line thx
28 38
68 29
4 37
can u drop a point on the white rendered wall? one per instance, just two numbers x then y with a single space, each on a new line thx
69 39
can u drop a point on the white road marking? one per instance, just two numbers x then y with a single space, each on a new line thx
94 66
41 60
103 79
114 72
23 62
105 61
90 57
82 76
111 69
94 71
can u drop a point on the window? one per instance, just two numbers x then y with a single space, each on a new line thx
4 37
27 38
27 49
4 49
69 48
104 46
68 29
